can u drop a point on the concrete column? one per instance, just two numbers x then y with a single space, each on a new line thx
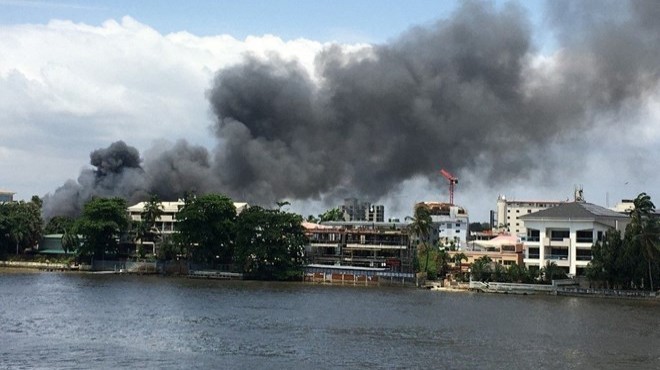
542 234
572 269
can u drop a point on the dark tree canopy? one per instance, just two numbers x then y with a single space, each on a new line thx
20 226
270 244
206 228
101 225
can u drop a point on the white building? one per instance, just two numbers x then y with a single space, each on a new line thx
451 223
510 211
564 234
166 223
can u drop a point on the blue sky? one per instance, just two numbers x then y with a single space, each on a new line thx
343 21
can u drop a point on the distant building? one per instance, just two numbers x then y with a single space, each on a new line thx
450 222
355 210
6 196
565 234
625 206
509 213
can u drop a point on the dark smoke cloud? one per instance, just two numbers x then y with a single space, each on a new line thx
466 93
463 93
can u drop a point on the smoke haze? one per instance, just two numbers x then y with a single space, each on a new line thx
469 93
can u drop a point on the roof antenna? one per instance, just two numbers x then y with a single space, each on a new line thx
579 194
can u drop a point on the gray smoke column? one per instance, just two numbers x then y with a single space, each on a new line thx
168 171
464 93
469 93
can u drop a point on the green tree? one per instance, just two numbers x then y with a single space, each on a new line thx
21 226
146 229
520 274
59 225
481 269
643 230
608 259
269 244
206 228
70 241
421 227
442 260
333 214
551 271
103 222
458 259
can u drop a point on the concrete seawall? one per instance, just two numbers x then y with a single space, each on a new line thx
35 265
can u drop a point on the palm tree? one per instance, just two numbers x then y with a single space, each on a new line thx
458 258
152 211
550 271
421 228
442 263
69 240
480 269
644 228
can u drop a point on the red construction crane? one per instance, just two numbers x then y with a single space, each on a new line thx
453 180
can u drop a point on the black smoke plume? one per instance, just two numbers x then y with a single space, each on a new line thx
470 92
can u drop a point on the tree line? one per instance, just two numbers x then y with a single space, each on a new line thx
261 243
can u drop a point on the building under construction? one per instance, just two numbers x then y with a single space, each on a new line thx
360 244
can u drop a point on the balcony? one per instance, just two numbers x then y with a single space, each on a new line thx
557 242
533 256
589 241
556 257
583 258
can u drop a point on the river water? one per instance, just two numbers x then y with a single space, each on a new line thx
85 321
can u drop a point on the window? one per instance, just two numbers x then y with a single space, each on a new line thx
517 211
529 211
458 225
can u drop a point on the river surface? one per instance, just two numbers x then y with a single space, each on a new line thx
85 321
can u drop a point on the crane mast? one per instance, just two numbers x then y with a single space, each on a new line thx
453 180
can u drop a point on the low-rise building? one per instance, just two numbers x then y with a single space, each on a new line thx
565 234
360 244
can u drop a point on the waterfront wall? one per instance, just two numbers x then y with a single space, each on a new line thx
559 287
35 265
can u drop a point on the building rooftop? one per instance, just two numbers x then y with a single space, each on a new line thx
574 210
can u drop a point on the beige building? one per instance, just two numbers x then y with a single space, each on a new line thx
510 211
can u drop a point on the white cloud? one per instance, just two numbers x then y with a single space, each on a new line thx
67 89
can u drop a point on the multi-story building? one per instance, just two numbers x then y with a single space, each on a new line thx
354 210
565 233
6 196
166 223
360 244
509 213
450 222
